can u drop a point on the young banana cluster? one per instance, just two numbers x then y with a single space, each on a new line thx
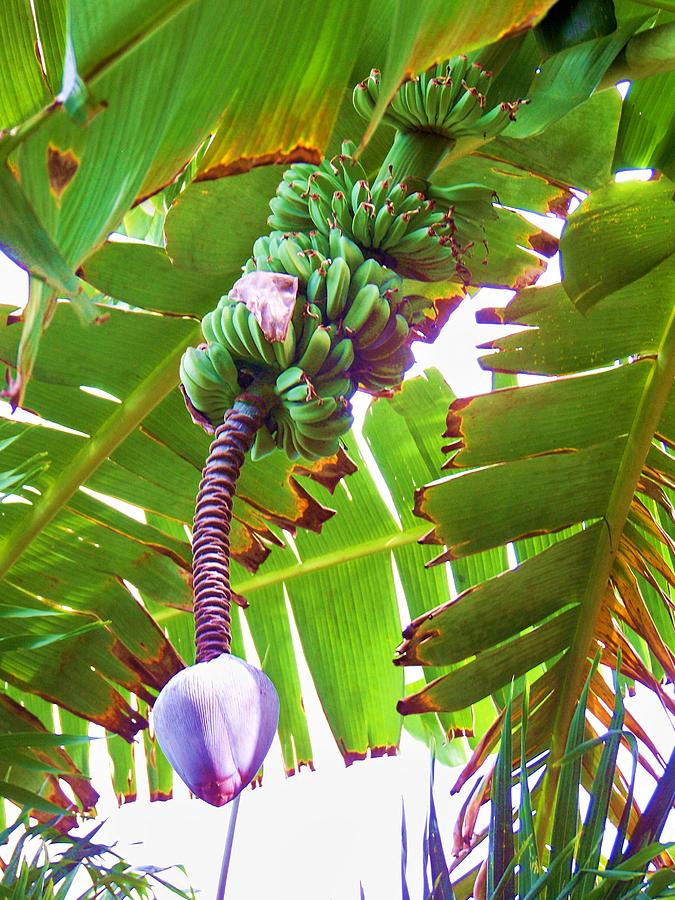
345 331
448 99
420 230
349 243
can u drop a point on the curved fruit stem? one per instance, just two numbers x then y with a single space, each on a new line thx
416 153
211 528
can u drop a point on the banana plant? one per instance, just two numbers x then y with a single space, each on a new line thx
129 436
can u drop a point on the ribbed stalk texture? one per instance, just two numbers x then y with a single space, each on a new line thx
211 529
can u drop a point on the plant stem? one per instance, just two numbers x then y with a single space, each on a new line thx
416 153
211 529
227 850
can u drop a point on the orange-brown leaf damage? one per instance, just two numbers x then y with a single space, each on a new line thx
62 166
299 153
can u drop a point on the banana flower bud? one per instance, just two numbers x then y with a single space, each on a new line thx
215 722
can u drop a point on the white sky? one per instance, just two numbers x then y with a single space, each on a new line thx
317 835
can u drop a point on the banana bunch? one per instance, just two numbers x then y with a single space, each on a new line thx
448 99
299 204
234 328
345 330
312 414
294 252
349 243
210 379
422 231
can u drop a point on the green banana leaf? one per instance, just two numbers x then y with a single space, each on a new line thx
134 111
571 471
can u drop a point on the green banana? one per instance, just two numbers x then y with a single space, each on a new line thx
337 387
223 364
311 448
339 360
292 257
301 393
361 308
291 377
317 350
284 351
369 272
320 212
374 325
230 336
337 287
313 411
240 318
336 426
311 319
391 338
360 194
382 224
262 345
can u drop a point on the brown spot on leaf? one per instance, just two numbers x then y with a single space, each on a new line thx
155 669
306 763
253 553
310 513
529 275
61 168
275 157
453 733
385 750
160 795
428 330
419 702
14 717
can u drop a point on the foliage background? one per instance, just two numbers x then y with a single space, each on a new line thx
68 559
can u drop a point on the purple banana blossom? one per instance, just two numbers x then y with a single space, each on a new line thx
215 722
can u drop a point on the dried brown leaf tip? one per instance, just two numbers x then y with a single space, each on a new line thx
270 296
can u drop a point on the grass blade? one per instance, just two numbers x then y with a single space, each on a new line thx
442 887
588 853
567 800
405 895
501 820
527 842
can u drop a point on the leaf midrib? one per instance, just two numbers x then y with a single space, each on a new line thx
384 543
645 423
